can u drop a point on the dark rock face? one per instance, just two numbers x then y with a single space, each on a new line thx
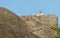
11 19
6 31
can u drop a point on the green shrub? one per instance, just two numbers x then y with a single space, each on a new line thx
56 36
54 28
58 32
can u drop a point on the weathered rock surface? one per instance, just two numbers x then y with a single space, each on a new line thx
41 25
13 26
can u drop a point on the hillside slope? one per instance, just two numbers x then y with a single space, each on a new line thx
11 26
41 25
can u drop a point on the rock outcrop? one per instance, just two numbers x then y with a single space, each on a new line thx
41 25
13 26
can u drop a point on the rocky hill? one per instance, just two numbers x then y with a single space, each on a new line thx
41 25
13 26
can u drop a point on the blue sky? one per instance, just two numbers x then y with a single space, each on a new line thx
27 7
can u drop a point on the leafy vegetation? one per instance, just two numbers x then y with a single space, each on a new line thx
58 32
